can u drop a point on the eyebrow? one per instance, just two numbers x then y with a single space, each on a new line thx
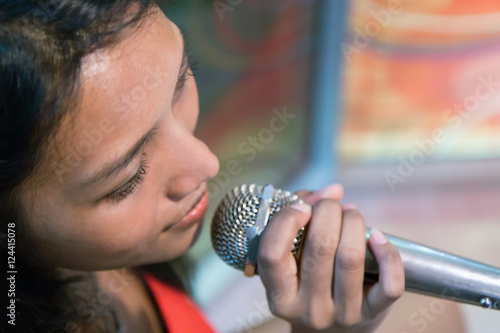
121 163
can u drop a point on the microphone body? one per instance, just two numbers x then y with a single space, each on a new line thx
436 273
244 212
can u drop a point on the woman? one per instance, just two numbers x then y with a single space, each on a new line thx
101 175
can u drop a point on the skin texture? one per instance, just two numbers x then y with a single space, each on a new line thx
334 250
405 316
67 227
125 91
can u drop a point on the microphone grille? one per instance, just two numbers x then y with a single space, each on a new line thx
236 213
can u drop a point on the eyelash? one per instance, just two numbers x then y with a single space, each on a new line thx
130 186
181 83
191 68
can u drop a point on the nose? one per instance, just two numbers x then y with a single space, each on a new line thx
194 164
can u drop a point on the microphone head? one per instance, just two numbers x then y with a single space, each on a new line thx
237 213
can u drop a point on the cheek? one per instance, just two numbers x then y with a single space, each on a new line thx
127 229
103 235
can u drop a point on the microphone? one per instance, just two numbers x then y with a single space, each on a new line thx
244 213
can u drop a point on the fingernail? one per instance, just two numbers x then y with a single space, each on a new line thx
378 236
302 207
333 190
349 206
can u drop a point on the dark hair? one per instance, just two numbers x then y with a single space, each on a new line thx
42 44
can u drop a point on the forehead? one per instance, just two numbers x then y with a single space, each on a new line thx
151 49
147 57
123 91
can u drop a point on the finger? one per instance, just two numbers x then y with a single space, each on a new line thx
304 194
333 192
276 264
391 282
319 248
349 268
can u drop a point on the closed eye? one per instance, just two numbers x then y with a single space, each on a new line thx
130 186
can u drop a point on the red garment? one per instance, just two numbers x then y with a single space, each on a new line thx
179 312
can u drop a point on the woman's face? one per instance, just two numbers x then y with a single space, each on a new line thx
125 183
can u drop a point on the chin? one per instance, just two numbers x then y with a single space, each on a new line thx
179 244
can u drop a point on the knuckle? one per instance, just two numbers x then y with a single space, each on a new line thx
347 320
394 292
308 268
292 216
318 324
395 289
303 193
395 283
353 216
392 256
318 316
324 247
328 205
270 258
350 259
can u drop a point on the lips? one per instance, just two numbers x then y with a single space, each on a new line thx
194 216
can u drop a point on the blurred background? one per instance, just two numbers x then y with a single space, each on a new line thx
398 100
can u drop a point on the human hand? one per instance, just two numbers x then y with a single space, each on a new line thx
326 292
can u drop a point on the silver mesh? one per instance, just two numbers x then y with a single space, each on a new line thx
236 213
